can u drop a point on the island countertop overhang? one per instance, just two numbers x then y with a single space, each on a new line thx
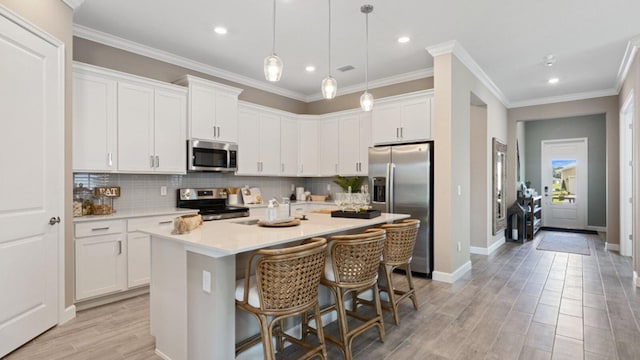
229 237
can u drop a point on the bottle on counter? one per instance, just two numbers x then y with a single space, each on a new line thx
272 212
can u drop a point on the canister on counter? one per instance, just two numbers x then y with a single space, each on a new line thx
82 201
103 199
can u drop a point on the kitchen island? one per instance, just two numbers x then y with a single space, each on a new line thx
193 279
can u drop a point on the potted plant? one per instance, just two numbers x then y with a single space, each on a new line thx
355 182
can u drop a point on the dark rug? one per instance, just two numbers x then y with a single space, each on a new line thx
565 243
577 231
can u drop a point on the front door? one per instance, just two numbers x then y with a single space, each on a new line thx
564 183
31 181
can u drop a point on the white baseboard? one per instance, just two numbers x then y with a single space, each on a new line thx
487 251
597 228
67 314
452 277
611 247
635 279
161 354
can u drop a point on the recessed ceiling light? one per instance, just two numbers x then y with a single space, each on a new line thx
554 80
220 30
404 39
549 60
310 68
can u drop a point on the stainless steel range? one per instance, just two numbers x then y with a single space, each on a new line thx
211 203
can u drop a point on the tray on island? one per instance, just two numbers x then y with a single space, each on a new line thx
364 214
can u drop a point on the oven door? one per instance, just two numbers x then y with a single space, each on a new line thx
211 156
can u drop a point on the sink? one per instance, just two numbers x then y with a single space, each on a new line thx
247 222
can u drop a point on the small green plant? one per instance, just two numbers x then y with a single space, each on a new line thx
344 182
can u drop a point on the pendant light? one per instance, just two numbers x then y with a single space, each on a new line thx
366 100
272 63
329 84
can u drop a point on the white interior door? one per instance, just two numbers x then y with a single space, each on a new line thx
626 177
564 183
31 181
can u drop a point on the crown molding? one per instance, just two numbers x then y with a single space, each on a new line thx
137 48
391 80
627 61
454 47
73 4
564 98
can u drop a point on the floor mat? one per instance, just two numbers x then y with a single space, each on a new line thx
565 243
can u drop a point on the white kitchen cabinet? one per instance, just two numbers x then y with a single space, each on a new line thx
94 122
139 248
100 260
329 152
259 139
403 119
151 122
213 110
355 139
288 146
308 147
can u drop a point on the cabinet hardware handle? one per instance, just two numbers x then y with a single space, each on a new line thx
157 161
151 159
302 169
119 247
219 131
282 167
397 133
401 132
100 228
110 159
165 222
356 167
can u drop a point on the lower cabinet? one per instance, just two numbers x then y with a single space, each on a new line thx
112 256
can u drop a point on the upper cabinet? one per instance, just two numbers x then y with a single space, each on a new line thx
288 146
258 142
308 153
355 138
125 123
94 122
328 147
402 119
213 110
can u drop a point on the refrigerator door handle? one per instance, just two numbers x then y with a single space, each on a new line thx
389 192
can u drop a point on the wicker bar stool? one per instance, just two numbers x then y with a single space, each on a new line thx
398 251
285 284
351 268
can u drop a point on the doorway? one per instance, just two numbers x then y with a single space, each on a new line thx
564 177
626 176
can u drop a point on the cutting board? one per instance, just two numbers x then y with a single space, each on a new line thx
251 195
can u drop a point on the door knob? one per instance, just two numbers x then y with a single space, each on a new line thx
54 220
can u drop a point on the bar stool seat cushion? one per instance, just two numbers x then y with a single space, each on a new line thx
254 299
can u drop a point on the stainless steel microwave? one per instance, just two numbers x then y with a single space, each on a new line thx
205 155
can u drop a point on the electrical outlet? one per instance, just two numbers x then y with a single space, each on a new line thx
459 246
206 281
163 191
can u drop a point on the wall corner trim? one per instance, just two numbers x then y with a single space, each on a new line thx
67 314
450 278
490 250
611 247
455 48
627 61
74 4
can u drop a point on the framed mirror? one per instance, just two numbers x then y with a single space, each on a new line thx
499 181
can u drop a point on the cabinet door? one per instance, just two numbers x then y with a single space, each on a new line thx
226 116
169 130
349 136
100 265
135 127
308 148
94 123
385 123
138 259
365 143
288 146
269 144
248 142
416 119
328 147
202 112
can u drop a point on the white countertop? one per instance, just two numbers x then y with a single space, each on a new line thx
227 237
127 214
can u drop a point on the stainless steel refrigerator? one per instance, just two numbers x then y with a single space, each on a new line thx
401 181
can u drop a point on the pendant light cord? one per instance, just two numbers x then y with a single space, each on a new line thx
329 37
366 63
273 50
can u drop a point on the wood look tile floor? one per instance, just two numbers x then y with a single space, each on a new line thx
518 303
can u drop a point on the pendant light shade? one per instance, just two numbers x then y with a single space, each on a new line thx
273 67
366 100
329 84
272 63
329 87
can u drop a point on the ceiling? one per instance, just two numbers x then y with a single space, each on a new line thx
507 39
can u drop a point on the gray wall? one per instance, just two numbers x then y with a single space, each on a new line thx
593 127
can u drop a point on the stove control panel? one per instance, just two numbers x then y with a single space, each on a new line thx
202 194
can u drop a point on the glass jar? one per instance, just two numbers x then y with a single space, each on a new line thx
102 205
82 201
